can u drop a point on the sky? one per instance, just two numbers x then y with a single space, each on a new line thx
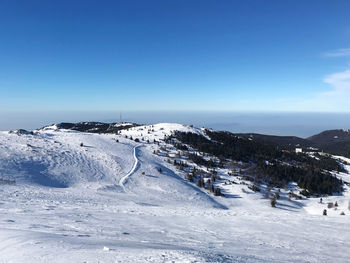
238 56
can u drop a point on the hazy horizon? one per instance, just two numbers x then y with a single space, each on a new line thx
301 124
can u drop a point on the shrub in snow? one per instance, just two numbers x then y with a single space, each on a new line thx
254 188
217 192
81 144
342 213
294 195
273 202
211 188
305 193
200 182
189 177
277 195
336 203
325 212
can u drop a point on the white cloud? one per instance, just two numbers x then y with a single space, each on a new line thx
340 83
342 52
335 99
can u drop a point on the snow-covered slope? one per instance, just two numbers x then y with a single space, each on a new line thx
83 197
55 158
159 131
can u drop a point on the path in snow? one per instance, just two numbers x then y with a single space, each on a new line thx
125 177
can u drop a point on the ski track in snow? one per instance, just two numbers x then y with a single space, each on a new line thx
136 162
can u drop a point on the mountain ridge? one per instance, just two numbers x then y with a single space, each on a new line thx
336 141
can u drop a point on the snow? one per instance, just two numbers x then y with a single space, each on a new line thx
107 202
136 161
158 131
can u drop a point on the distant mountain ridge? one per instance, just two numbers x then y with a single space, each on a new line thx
331 141
333 136
286 141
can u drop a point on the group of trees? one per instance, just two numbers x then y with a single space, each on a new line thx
275 166
197 159
208 185
315 181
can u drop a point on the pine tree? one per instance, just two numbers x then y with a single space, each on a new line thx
273 202
200 182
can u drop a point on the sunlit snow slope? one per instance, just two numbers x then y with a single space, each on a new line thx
83 197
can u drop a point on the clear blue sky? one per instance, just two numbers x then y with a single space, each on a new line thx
175 55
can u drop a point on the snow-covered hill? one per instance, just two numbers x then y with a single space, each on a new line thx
70 196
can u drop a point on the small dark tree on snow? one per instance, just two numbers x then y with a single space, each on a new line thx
160 170
200 182
273 202
137 140
189 177
211 188
217 191
342 213
81 144
325 212
277 194
336 204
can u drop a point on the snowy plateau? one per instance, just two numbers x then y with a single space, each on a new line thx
71 196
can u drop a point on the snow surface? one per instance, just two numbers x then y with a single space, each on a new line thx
106 201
